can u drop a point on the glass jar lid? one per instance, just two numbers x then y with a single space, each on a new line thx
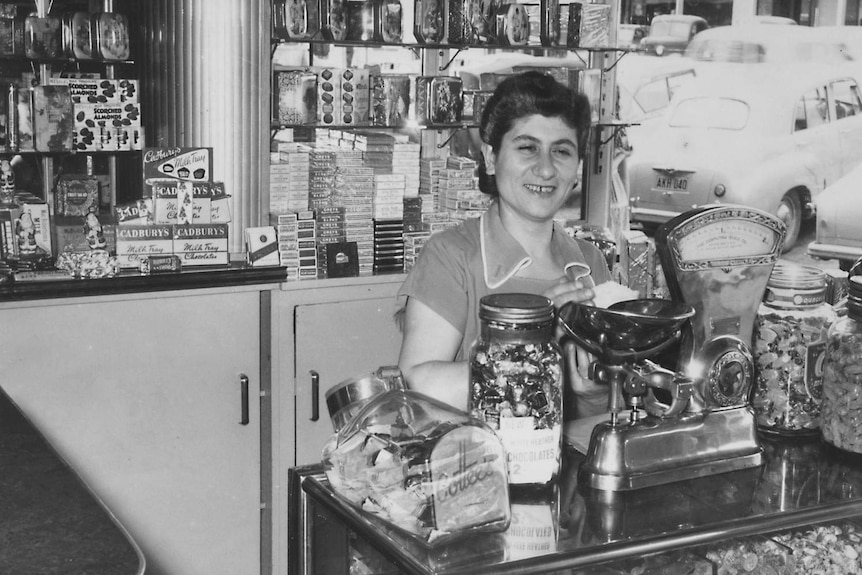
792 285
854 297
516 308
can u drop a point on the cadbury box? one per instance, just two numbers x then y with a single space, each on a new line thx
201 244
135 242
167 194
69 234
195 164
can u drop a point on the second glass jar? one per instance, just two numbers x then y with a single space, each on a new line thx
516 383
789 347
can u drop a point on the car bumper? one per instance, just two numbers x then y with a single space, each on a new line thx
826 251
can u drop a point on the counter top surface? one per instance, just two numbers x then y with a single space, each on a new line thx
802 482
133 282
50 522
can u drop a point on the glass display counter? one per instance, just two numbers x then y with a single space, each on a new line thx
803 505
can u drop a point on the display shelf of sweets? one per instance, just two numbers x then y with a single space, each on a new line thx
470 24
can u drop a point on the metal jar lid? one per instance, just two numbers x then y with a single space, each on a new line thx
516 308
346 397
793 285
854 297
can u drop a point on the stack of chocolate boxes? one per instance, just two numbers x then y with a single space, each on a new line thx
183 212
107 113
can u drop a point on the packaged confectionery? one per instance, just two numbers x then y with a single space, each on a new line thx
294 19
333 19
841 409
789 349
472 21
77 36
550 31
516 383
390 99
513 25
428 25
438 100
295 96
387 21
360 20
111 36
43 37
589 25
421 465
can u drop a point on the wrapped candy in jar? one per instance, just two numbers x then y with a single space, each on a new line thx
516 383
841 412
789 348
421 465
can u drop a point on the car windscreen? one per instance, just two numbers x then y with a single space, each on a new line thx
722 50
667 28
710 112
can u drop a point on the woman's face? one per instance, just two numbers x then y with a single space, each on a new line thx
536 167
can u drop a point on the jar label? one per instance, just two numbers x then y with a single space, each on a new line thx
531 531
469 480
533 454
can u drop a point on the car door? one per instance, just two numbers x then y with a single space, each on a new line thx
815 136
847 103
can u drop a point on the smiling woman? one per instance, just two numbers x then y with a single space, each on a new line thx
533 135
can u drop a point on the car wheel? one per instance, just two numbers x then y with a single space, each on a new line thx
790 212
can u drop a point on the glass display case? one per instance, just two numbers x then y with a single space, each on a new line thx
800 510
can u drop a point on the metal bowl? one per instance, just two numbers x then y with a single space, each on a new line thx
628 330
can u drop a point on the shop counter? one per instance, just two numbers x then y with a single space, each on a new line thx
129 281
802 504
50 521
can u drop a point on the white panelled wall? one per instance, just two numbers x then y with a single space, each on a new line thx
205 82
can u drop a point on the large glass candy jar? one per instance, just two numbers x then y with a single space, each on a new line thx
423 466
841 412
516 383
789 346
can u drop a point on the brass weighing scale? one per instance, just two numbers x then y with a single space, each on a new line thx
681 368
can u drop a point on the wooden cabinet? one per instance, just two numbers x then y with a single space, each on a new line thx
143 395
338 328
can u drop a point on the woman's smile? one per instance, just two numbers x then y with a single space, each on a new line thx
540 189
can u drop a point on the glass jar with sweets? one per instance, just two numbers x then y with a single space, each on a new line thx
516 383
841 416
789 348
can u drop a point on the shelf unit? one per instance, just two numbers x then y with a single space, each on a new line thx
42 70
436 60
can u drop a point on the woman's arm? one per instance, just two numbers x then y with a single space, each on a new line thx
428 348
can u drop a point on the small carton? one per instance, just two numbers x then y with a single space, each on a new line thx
261 246
53 119
201 244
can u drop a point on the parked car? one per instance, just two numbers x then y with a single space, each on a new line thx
630 35
671 33
756 43
767 136
838 233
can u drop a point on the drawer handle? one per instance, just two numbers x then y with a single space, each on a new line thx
315 395
243 390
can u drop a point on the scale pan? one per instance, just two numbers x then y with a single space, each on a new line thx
631 326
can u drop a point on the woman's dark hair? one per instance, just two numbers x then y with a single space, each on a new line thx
524 95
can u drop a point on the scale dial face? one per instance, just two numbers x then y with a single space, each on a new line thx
726 237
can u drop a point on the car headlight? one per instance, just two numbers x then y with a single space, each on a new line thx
659 49
719 190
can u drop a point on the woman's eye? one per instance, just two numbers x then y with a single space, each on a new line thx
527 148
565 152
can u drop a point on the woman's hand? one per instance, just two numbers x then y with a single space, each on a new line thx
578 291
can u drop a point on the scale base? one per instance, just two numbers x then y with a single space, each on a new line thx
657 451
